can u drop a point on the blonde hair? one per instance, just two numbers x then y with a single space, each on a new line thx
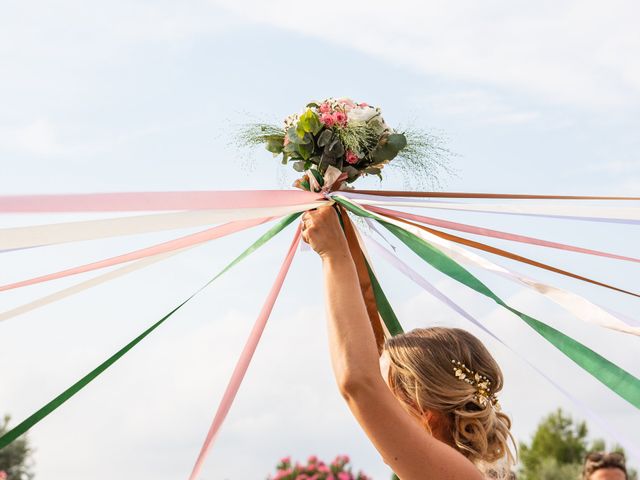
422 378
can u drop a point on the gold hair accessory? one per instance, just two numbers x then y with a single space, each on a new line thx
481 383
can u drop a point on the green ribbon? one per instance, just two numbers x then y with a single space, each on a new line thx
21 428
384 307
615 378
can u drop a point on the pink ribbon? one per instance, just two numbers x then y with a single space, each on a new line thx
153 201
462 227
186 241
245 358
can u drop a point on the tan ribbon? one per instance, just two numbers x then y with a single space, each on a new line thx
364 279
395 193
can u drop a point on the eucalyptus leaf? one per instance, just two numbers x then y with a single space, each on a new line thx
336 148
397 140
325 138
298 166
275 145
309 122
352 172
305 150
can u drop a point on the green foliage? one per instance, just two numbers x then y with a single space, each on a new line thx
558 448
15 458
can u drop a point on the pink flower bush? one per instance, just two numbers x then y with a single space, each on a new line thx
3 475
316 469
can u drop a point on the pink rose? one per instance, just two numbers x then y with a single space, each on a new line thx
352 159
285 460
325 108
328 119
340 118
363 105
312 459
3 475
344 476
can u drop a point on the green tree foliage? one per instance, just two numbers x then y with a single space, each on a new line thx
15 459
558 448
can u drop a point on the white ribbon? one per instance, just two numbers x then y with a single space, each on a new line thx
38 235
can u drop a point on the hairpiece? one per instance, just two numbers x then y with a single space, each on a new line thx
481 383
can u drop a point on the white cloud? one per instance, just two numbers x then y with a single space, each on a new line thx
570 53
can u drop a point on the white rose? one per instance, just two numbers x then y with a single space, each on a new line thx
362 114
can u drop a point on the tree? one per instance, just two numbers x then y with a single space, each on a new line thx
15 458
558 448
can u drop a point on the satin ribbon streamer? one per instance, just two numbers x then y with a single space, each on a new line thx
39 235
403 194
628 215
154 201
171 245
245 358
462 227
40 414
577 305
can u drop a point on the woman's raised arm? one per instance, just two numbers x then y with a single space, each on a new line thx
402 441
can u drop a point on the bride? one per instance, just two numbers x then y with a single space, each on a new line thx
428 403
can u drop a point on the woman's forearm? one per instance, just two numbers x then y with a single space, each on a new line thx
352 343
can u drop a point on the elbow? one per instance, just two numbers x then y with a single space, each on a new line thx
353 386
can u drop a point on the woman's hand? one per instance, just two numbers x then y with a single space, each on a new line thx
321 229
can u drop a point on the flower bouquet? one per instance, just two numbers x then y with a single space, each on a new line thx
336 141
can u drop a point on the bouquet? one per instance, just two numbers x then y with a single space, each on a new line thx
316 470
336 141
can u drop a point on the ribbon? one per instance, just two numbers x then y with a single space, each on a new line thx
153 201
510 255
58 401
390 323
332 180
401 266
182 242
365 279
38 235
462 227
245 358
399 193
626 215
384 307
87 284
578 306
615 378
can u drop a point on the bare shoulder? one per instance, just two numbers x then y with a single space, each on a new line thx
403 442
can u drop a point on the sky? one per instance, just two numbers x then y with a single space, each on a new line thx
146 96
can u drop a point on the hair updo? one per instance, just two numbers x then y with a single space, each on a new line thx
421 376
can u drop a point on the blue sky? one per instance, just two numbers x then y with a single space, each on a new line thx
144 96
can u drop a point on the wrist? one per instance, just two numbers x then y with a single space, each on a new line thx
335 255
